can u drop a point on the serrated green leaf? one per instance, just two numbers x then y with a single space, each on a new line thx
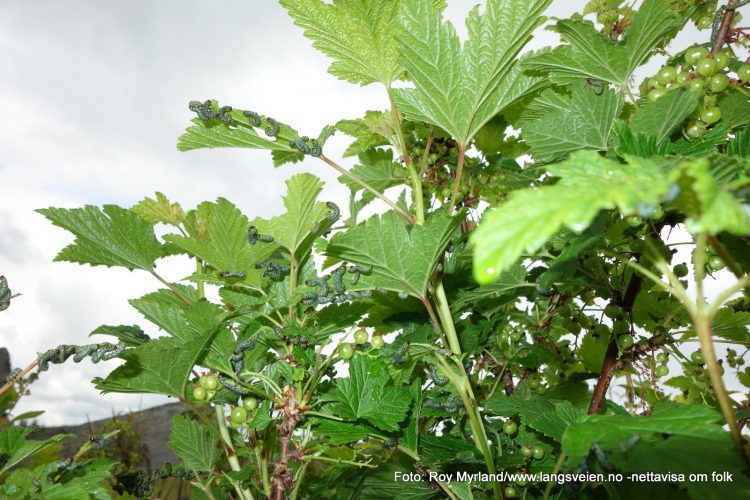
550 418
507 283
357 34
740 145
16 448
367 394
145 369
241 133
160 210
402 256
729 324
709 205
591 54
643 145
609 431
560 124
343 432
735 108
460 88
130 335
193 443
444 449
377 169
365 131
225 247
90 481
589 183
662 117
112 236
292 230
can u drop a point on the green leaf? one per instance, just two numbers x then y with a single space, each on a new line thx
367 394
293 230
550 418
357 34
89 481
735 111
366 132
556 124
113 236
145 369
609 431
740 145
728 324
643 145
195 444
225 247
591 54
241 133
15 446
160 210
343 432
507 283
460 88
565 264
402 256
444 449
589 183
663 116
710 206
376 168
130 335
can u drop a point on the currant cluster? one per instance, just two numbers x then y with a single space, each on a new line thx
205 388
361 342
703 73
244 412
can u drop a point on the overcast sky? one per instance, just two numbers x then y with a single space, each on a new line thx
93 96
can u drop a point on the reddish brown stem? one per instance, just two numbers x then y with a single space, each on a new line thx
726 22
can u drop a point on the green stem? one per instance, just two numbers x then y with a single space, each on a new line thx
457 179
298 480
407 216
558 466
292 284
340 461
444 311
201 285
275 388
234 463
416 182
169 285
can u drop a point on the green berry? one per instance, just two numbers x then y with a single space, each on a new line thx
680 270
361 336
634 221
707 67
202 380
695 54
510 492
716 263
703 23
346 351
516 336
682 77
612 311
656 94
744 73
718 83
710 115
602 330
510 427
199 393
537 452
625 341
697 358
238 415
695 85
722 59
377 341
249 403
661 357
666 75
503 339
620 327
696 130
526 451
661 371
211 383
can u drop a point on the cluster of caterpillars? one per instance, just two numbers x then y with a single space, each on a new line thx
337 293
97 352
